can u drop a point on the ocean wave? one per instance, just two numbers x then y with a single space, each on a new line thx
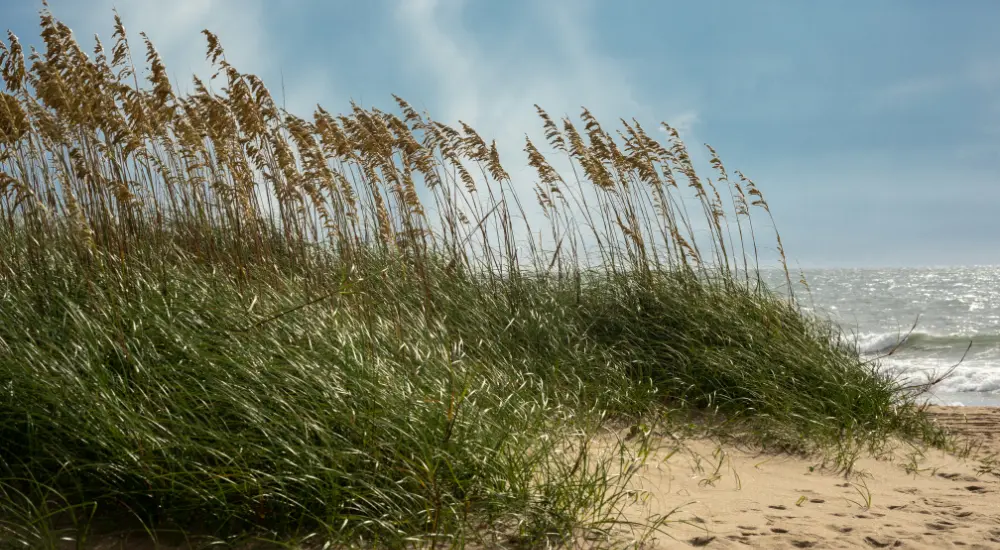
968 377
869 343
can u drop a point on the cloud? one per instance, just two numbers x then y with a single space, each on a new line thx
175 27
494 87
175 30
913 89
984 73
684 122
978 74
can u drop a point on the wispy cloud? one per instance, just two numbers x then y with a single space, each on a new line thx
494 88
913 89
175 27
175 30
981 75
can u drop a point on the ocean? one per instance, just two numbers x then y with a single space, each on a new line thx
953 308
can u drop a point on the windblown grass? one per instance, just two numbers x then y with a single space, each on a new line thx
219 318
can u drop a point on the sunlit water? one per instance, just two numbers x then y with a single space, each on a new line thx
952 308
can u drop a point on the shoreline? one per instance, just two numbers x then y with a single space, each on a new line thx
966 399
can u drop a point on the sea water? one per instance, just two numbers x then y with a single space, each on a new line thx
956 313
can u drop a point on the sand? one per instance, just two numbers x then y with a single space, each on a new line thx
917 499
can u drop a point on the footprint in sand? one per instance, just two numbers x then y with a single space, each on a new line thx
701 541
882 542
959 477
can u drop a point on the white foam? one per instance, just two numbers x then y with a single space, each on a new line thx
978 376
870 343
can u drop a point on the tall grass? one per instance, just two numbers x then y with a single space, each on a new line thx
221 318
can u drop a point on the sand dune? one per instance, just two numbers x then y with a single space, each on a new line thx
737 499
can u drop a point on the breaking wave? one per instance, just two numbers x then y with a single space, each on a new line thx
884 342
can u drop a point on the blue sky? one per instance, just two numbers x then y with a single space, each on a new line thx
873 127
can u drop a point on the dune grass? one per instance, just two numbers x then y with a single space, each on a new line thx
219 319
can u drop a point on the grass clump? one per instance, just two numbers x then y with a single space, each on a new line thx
221 319
172 411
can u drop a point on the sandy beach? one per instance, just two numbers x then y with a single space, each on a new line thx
918 499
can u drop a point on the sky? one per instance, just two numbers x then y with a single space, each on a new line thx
873 128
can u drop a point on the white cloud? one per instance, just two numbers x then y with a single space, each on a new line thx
494 89
175 30
913 89
982 74
684 122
